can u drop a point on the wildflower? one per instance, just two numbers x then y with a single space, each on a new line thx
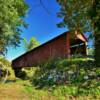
86 77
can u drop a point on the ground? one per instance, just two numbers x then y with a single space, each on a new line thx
23 90
12 91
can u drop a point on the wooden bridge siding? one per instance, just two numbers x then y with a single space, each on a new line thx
56 48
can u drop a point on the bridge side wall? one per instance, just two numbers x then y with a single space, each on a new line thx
59 47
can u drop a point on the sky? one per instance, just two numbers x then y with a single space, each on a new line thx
42 24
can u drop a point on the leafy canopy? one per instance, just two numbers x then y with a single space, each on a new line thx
31 44
12 13
79 14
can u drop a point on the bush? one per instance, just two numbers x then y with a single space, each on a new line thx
4 68
62 71
68 76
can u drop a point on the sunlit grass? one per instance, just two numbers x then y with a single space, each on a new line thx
23 90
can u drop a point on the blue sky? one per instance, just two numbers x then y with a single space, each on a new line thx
42 25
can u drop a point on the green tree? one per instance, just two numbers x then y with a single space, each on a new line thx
31 44
12 13
5 66
90 51
82 16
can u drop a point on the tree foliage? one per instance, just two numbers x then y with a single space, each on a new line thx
83 16
73 12
12 13
5 65
77 14
31 44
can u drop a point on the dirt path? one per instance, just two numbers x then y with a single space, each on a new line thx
12 92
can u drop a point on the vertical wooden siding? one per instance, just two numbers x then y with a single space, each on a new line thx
59 47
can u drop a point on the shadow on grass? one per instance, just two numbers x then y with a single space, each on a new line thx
10 81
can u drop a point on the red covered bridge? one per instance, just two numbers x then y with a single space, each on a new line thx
62 46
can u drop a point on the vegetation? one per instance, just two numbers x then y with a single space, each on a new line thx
91 52
12 13
82 16
24 90
31 44
4 69
58 72
58 79
68 77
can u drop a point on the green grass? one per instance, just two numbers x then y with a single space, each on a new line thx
23 90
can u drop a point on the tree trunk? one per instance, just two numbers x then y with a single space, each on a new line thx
97 50
96 21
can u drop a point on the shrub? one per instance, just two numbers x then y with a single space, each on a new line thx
72 76
4 68
62 71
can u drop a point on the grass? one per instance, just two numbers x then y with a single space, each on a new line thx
23 90
12 91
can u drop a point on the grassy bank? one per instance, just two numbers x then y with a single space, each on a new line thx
59 79
23 90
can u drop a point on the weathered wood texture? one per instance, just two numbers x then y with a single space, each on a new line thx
57 47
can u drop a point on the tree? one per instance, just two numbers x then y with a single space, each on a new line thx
82 16
12 13
5 65
31 44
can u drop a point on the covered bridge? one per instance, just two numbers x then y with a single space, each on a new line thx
62 46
